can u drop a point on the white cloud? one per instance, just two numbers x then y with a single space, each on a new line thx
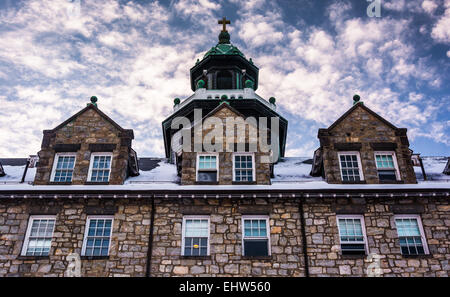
429 6
441 30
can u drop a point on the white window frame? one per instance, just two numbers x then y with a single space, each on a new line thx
256 217
55 164
253 165
197 165
422 233
86 231
27 234
358 158
394 159
91 164
183 232
363 227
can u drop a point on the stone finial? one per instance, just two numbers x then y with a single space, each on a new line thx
272 100
176 101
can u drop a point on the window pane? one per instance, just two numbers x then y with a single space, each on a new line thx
409 236
256 247
349 168
40 237
98 238
350 230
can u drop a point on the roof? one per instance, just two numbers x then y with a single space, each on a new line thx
434 168
291 174
96 109
361 105
224 49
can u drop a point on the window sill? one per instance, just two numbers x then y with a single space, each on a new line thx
94 257
243 183
354 182
33 257
96 183
425 256
391 182
60 183
196 257
356 256
257 257
207 183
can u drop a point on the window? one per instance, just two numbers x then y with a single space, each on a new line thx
100 167
207 168
352 235
63 167
350 164
195 239
243 168
38 238
387 166
97 236
411 235
255 239
224 80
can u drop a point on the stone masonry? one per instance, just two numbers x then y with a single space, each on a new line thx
87 131
225 172
361 131
132 224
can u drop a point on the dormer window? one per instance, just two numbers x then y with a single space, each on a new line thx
63 167
207 168
350 166
100 167
387 166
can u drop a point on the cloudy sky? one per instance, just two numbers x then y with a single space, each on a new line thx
135 56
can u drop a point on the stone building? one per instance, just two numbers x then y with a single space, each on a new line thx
91 207
363 147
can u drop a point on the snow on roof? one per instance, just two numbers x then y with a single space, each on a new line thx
290 173
434 168
163 172
295 169
14 174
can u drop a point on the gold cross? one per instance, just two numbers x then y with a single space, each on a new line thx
224 22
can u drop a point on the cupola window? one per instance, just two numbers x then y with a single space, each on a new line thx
224 80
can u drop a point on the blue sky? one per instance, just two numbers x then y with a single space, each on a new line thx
135 57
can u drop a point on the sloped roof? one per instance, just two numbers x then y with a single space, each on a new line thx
97 110
361 105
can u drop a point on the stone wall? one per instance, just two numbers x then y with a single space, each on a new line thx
323 236
364 129
128 253
89 128
131 229
226 257
225 173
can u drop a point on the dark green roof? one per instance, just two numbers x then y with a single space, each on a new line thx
224 49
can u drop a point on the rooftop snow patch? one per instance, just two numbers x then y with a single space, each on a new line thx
294 169
434 168
14 174
164 172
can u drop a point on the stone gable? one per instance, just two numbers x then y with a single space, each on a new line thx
365 132
225 173
87 132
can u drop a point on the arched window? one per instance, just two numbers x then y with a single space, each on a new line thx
224 80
